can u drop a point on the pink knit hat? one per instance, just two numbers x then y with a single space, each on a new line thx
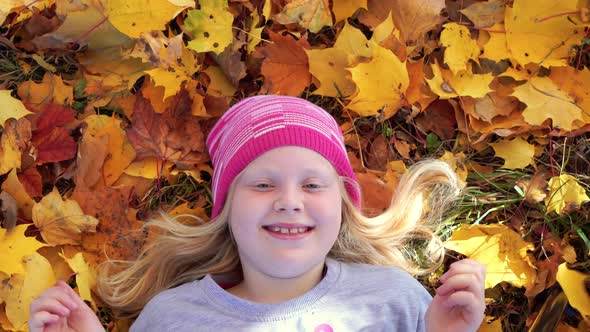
258 124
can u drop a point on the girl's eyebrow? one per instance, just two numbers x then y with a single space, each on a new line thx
306 171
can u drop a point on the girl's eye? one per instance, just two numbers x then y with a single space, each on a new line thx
312 186
262 186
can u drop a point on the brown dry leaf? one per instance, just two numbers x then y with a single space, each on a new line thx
61 221
285 66
376 194
14 141
89 161
457 163
490 106
114 234
309 14
485 14
438 117
8 211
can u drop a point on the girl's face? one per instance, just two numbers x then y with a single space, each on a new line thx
285 213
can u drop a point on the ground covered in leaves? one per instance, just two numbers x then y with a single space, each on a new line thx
106 105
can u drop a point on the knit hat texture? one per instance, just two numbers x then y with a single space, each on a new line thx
258 124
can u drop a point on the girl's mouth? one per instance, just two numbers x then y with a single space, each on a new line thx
291 233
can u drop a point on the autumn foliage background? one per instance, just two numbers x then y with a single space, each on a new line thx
105 105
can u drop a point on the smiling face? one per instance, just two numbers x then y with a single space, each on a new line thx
285 213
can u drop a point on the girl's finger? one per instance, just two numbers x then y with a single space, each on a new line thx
71 293
466 281
49 304
466 300
465 266
39 319
61 295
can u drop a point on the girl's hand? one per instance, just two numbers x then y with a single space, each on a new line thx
60 309
459 304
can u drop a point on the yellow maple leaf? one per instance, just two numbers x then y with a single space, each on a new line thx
61 221
6 6
120 151
11 107
381 84
457 163
85 276
573 284
22 289
517 152
170 80
309 14
460 47
500 249
383 30
343 9
554 35
446 85
564 191
575 83
14 138
220 86
328 66
149 168
15 188
494 43
210 26
132 17
545 101
354 43
14 246
51 89
254 34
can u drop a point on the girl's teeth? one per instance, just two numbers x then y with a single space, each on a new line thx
288 230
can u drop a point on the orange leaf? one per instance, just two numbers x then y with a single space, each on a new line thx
286 67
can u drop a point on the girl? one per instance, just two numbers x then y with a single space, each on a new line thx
287 248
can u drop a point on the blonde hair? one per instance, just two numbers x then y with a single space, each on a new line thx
182 253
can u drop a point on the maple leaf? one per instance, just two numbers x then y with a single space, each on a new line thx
110 207
31 181
554 34
446 85
381 84
438 117
85 277
564 193
329 67
12 107
132 17
573 284
22 289
545 101
55 146
494 43
517 152
574 83
457 163
15 188
169 141
354 43
500 249
61 221
285 67
485 14
309 14
14 246
13 142
51 90
211 27
460 48
343 9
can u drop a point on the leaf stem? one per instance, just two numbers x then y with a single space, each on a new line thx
539 20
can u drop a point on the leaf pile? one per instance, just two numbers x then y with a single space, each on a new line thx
107 103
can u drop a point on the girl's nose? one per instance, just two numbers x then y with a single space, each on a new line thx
289 199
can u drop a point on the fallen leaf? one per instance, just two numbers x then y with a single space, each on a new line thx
545 101
376 194
554 34
517 152
8 211
343 9
61 221
51 90
354 43
564 192
460 47
85 277
55 146
309 14
446 85
15 188
457 163
133 17
381 84
501 250
13 108
573 284
285 67
14 141
210 26
15 246
485 14
23 289
329 67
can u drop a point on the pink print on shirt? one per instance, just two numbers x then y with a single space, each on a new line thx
323 328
